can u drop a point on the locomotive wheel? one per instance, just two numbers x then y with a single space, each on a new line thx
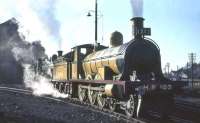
56 86
101 100
60 87
112 104
92 96
130 107
65 89
81 93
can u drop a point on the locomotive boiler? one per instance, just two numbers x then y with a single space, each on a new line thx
123 76
140 55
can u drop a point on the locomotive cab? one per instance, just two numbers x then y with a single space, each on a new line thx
79 53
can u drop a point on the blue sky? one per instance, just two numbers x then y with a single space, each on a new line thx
174 23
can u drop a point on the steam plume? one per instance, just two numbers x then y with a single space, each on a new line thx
39 84
46 14
17 56
38 18
137 8
15 51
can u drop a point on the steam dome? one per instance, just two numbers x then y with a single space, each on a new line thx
116 39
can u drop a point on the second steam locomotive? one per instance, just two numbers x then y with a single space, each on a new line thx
126 76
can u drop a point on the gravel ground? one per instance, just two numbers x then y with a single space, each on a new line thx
20 108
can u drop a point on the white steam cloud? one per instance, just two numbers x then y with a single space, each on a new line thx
137 8
55 23
39 23
46 14
38 19
39 84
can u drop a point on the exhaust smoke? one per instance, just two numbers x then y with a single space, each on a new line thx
18 59
39 84
39 22
137 8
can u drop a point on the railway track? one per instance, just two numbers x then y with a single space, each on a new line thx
119 116
195 107
156 117
107 112
76 103
189 109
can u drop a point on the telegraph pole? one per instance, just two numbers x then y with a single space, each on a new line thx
188 72
168 66
192 58
177 73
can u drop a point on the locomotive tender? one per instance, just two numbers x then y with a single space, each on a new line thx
118 77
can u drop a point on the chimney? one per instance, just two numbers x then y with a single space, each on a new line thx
60 53
138 29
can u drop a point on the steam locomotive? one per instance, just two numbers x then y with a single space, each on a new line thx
126 76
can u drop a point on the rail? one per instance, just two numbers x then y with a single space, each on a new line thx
75 102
